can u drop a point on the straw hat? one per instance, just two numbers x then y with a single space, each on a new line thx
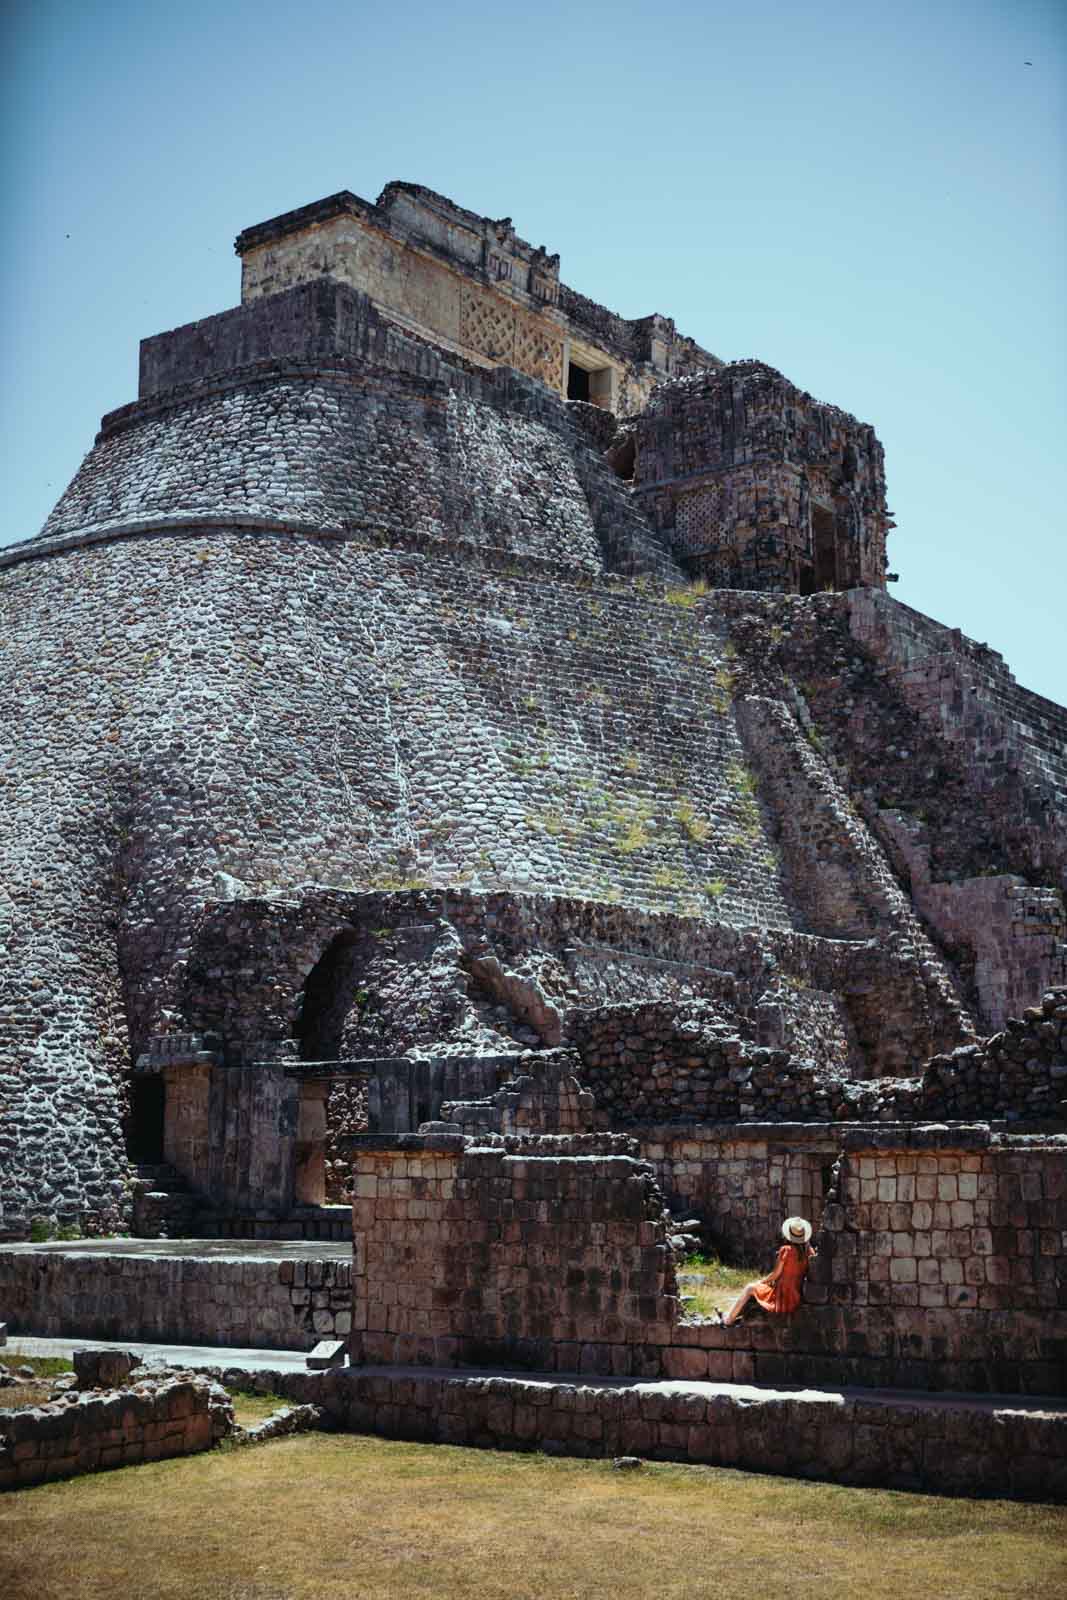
796 1230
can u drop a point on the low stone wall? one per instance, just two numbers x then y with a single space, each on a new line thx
176 1299
171 1416
948 1447
970 1351
941 1257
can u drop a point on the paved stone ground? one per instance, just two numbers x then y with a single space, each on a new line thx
206 1249
192 1357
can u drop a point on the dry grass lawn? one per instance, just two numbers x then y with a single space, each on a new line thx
367 1519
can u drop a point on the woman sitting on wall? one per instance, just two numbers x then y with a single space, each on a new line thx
779 1291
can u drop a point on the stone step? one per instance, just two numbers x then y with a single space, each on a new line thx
327 1353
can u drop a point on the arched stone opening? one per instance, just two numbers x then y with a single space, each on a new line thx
330 992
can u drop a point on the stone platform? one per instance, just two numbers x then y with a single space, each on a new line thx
262 1293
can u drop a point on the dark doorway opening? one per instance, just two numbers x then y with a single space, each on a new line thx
144 1139
577 383
824 542
329 994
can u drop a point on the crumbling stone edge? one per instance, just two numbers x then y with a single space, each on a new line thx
174 1414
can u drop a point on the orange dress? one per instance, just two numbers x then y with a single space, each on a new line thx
783 1295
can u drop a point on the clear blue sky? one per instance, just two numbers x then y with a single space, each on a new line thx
869 196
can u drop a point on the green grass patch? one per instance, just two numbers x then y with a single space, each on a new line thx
695 828
708 1285
43 1366
686 598
250 1407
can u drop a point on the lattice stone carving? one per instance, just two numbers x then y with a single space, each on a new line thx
488 325
538 353
699 521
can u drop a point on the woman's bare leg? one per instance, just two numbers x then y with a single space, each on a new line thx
739 1304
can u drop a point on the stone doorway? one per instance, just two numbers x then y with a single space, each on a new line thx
824 548
144 1135
328 996
577 382
594 385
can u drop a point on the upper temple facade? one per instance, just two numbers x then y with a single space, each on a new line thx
474 287
754 484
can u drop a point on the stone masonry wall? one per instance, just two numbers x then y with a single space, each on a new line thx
951 1445
734 461
963 1228
941 1261
683 1063
551 1257
175 1299
152 1421
957 772
741 1182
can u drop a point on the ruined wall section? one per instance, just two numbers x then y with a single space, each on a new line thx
155 1420
654 1062
959 774
550 1253
760 486
411 988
